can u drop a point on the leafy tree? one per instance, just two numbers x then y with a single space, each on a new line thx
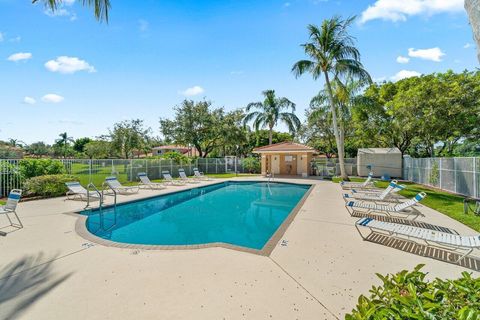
424 116
261 138
16 143
128 136
101 7
272 111
333 55
63 143
196 124
39 149
79 144
98 149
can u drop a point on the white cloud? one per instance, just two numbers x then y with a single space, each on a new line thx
68 2
193 91
52 98
403 74
402 59
29 100
20 56
287 4
432 54
66 65
60 12
467 45
400 10
15 39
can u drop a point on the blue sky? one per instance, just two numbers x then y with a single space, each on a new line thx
67 72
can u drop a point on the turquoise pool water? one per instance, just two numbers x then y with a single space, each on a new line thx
245 214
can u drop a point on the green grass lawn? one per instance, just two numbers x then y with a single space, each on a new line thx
231 175
444 202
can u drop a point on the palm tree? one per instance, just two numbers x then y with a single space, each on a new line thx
472 7
64 141
333 55
270 112
100 7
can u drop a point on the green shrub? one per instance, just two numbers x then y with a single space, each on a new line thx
406 295
30 168
48 185
251 164
176 157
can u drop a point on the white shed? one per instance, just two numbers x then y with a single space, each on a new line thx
382 161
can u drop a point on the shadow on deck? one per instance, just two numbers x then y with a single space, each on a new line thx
24 282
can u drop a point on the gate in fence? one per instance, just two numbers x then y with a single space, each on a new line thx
96 170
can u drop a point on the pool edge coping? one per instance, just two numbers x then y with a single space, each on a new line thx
270 245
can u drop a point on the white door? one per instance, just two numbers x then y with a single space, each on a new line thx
300 168
276 164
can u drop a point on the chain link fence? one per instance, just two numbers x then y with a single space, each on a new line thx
458 175
95 171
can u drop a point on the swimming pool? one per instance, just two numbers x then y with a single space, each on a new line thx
244 214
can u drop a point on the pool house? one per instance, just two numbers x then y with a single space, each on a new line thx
286 159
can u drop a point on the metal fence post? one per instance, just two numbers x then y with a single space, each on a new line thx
455 174
440 171
475 177
216 165
90 171
171 166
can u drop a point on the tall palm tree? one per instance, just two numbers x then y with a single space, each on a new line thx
333 55
473 10
270 112
64 141
100 7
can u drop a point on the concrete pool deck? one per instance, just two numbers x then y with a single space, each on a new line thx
316 271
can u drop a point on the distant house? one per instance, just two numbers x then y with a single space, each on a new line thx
160 150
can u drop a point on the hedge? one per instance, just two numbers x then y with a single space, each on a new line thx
48 185
407 295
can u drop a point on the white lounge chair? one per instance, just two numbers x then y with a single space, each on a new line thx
430 237
168 179
116 186
366 184
183 177
389 210
77 192
199 175
146 183
11 208
384 195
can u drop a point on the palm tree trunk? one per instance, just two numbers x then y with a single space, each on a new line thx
338 139
270 135
473 10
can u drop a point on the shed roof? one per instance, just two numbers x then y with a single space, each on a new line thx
379 150
284 147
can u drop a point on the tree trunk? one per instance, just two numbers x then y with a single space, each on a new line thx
473 10
270 135
340 147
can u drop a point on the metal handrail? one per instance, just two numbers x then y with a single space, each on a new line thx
114 195
91 185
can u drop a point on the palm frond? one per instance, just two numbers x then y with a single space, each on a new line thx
101 8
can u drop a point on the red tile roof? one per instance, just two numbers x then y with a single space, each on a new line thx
284 147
